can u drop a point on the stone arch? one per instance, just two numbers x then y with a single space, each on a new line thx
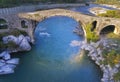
35 23
94 24
24 24
45 17
107 29
3 24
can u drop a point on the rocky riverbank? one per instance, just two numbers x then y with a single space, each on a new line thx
98 10
112 6
21 41
95 52
101 10
78 30
8 64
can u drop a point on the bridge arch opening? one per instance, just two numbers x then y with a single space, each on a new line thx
107 29
24 24
3 24
77 28
36 24
94 23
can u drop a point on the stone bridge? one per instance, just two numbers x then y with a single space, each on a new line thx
28 21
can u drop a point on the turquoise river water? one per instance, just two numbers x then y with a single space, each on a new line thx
53 58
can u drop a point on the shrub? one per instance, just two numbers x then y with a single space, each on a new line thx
111 58
14 32
117 77
91 36
111 13
9 45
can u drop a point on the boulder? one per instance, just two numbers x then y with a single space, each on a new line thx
6 69
5 55
24 44
28 38
99 51
22 41
13 61
2 63
9 38
7 64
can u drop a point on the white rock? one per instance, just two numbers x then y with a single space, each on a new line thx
114 44
95 44
98 10
5 55
92 51
2 63
21 41
2 54
6 69
24 45
28 38
117 65
9 38
97 62
13 61
7 65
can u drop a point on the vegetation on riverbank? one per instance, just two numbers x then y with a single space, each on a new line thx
117 76
10 45
107 1
111 13
111 54
111 57
90 35
14 32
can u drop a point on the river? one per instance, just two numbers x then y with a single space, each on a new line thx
85 9
53 57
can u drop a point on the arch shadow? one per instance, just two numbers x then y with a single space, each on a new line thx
107 29
94 24
3 24
24 24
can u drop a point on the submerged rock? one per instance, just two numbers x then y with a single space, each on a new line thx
7 64
6 69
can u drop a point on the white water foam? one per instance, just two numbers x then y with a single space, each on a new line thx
45 34
75 43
